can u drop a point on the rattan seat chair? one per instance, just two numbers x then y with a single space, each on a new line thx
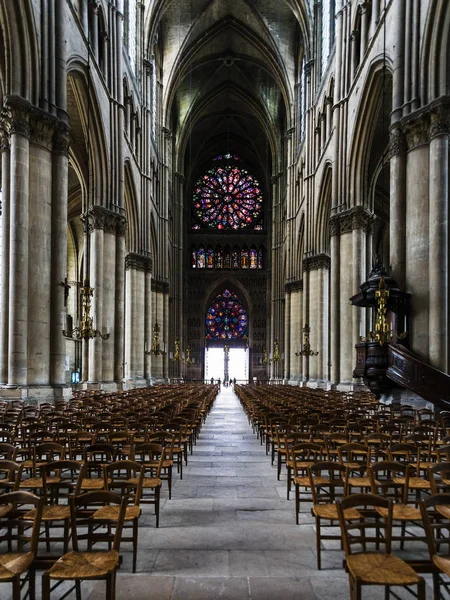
17 562
79 565
363 539
126 478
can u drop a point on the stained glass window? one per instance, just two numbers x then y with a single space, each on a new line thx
210 258
227 197
253 258
219 258
235 259
260 258
194 258
201 258
244 258
227 259
226 318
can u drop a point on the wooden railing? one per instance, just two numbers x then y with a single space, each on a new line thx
409 371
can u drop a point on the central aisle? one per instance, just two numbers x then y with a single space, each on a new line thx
229 531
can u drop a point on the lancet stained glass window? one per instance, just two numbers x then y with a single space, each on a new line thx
227 197
226 318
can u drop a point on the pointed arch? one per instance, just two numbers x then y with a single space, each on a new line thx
367 119
321 242
435 59
131 209
20 47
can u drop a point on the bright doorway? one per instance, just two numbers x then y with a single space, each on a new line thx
237 365
214 363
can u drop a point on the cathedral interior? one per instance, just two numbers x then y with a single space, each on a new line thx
219 175
251 193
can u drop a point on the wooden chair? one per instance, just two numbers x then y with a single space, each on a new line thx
300 457
390 479
126 478
435 515
9 477
327 484
151 457
369 565
14 564
81 565
60 480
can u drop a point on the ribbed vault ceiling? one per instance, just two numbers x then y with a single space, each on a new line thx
230 68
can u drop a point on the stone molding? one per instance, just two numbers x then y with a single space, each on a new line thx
139 262
397 141
160 286
316 261
417 132
440 122
357 217
4 135
293 286
42 129
107 220
61 141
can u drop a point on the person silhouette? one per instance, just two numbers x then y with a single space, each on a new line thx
218 381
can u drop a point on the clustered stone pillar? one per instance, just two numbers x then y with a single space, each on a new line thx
417 244
4 253
59 254
349 230
136 267
18 257
438 235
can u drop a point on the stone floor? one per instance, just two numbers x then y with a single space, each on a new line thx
228 533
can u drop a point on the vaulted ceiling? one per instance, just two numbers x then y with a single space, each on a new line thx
229 75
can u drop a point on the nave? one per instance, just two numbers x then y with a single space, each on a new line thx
228 532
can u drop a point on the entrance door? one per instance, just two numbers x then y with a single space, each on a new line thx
238 365
214 363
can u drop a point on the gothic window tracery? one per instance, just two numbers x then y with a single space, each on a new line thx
227 197
226 318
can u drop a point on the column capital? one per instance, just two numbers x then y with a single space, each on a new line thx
42 129
397 141
61 139
346 221
4 134
160 286
418 132
139 262
101 218
316 261
440 121
293 286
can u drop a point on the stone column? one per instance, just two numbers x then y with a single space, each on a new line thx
96 231
18 258
345 292
417 234
294 288
397 216
287 335
148 321
362 223
4 252
58 309
135 267
438 235
39 248
109 296
119 322
334 298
